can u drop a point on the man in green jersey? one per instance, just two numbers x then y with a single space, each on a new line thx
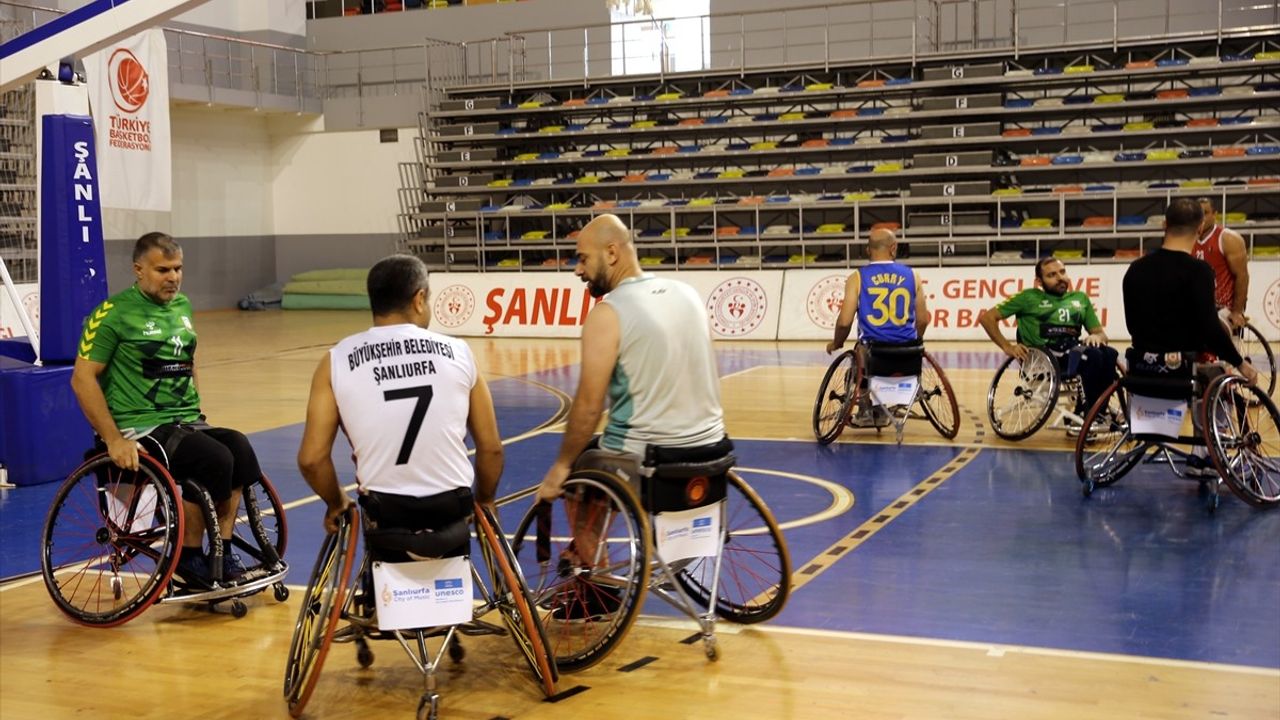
135 377
1049 318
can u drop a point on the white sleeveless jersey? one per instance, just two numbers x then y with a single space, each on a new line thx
665 388
404 394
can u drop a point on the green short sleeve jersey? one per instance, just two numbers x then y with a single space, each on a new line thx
1050 321
149 350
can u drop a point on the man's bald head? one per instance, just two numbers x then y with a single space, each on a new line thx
881 244
606 254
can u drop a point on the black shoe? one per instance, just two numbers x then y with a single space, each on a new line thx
585 601
193 567
232 568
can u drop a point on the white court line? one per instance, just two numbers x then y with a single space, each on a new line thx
1002 649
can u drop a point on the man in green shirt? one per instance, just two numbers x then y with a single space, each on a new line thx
135 377
1050 316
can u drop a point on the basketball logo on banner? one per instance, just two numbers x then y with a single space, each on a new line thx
737 307
454 306
824 301
128 81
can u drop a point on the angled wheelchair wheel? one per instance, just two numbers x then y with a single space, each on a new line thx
938 399
111 540
836 396
1254 348
261 533
587 597
1242 429
755 566
514 602
1107 450
319 613
1023 395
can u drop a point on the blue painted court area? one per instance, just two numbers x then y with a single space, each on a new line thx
1004 551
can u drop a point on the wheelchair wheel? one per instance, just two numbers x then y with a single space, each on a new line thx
938 400
319 613
836 396
1023 395
260 533
1242 429
755 568
1106 450
588 598
1254 348
514 602
111 540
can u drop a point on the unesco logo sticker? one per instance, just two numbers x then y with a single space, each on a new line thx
737 307
825 300
1271 304
454 305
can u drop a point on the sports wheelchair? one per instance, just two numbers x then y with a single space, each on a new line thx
329 601
592 554
1238 424
1024 395
884 378
112 540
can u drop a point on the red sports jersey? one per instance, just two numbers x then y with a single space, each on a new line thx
1209 249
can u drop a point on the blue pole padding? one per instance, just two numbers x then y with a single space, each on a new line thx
73 266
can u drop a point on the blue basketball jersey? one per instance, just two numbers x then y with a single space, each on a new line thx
887 303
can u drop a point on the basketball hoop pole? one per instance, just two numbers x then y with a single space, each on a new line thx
32 337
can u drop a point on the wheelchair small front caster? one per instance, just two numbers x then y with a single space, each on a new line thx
428 706
711 647
456 651
239 609
364 655
280 592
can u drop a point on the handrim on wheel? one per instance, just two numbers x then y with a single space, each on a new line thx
514 601
111 540
1103 455
1023 402
319 613
938 400
836 396
586 604
1255 348
755 570
1242 429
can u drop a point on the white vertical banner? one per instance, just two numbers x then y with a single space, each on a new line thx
129 96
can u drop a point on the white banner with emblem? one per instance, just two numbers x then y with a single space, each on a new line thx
684 534
423 593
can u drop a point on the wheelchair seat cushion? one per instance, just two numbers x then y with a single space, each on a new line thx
400 527
682 478
894 359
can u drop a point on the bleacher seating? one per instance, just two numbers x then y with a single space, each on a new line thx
1040 154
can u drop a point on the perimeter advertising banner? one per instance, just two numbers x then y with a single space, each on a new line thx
555 304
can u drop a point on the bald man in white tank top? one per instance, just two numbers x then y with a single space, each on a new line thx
647 348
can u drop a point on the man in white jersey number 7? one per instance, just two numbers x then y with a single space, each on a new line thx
405 397
647 349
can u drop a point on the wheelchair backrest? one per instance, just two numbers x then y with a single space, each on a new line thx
400 528
890 360
1168 376
685 478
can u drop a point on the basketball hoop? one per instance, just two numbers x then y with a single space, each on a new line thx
631 7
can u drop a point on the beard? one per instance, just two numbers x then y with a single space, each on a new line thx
1060 289
596 289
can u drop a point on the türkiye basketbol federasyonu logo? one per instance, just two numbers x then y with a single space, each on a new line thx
130 84
737 306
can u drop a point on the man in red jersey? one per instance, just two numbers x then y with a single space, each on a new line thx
1225 252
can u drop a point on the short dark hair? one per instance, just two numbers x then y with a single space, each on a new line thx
1183 216
1041 263
393 282
152 241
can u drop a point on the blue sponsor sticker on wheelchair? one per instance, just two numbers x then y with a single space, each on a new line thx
1156 416
422 593
687 534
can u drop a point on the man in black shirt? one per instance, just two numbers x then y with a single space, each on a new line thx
1168 295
